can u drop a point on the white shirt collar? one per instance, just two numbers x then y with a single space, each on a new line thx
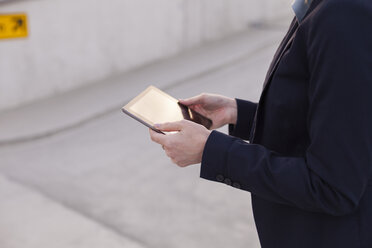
300 7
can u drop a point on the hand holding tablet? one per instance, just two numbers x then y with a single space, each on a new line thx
154 106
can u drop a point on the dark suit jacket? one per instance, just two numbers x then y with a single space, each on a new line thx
309 163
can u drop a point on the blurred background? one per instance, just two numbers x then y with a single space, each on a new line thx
75 171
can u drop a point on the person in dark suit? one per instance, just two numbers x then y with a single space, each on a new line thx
308 165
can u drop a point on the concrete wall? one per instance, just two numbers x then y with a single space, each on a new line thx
73 43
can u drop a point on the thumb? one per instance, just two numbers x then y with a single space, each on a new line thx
192 101
170 126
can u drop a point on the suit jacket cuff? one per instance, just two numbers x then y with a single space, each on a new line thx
215 155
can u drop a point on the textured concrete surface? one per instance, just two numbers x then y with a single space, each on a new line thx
64 111
102 183
29 219
73 43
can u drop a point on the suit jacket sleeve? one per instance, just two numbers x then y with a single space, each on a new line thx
244 123
333 174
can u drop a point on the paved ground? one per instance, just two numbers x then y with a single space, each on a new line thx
76 172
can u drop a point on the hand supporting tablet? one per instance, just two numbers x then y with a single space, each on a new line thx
154 106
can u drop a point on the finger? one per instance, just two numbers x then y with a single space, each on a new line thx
193 100
198 109
170 126
167 152
157 137
173 160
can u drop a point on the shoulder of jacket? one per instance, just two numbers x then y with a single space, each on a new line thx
326 10
343 4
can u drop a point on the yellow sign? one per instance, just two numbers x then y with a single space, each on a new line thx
13 26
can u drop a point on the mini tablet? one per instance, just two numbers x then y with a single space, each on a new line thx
154 106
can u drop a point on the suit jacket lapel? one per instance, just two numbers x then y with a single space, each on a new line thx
287 41
274 64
